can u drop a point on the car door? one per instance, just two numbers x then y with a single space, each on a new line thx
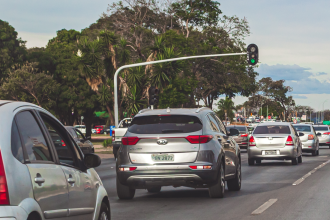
230 151
49 184
82 192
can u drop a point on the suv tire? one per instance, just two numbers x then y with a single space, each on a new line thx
300 159
294 161
258 161
218 190
314 153
235 184
251 162
104 212
154 189
124 192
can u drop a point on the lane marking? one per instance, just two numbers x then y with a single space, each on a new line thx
310 173
264 207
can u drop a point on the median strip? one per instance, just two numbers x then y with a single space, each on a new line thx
310 173
264 207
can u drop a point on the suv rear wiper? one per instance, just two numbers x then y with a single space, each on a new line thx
172 131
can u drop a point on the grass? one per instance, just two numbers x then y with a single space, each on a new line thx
100 135
104 152
97 142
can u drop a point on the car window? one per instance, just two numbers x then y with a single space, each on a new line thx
33 139
220 124
61 142
302 128
125 124
79 134
165 124
321 128
16 144
272 129
72 131
213 123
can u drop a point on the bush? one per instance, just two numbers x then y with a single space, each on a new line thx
107 143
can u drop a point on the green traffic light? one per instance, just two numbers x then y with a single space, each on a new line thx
253 60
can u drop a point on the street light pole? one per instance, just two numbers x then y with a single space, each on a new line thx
154 62
323 109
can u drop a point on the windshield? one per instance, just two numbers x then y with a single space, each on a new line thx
302 128
272 129
157 124
321 128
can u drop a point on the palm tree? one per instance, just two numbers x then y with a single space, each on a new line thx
226 107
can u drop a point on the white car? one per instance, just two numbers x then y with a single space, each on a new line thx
81 128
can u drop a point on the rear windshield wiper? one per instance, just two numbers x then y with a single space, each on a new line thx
172 131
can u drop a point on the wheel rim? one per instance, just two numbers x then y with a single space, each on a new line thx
239 174
104 216
222 180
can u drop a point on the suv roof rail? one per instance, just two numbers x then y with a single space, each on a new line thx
201 109
144 110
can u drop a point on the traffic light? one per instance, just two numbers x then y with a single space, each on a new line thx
153 95
253 54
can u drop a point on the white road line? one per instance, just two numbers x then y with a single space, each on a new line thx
309 173
264 207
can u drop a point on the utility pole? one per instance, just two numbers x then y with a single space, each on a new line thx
267 113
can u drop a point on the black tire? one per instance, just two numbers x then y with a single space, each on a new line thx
124 192
258 161
294 161
235 184
318 152
105 213
314 153
218 190
300 159
251 162
154 189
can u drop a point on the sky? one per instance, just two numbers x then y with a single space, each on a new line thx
292 36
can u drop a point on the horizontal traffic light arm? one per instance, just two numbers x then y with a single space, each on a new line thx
159 61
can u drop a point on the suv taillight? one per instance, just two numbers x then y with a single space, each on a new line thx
289 141
129 140
252 141
199 139
113 135
4 197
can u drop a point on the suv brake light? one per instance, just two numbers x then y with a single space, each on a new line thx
310 137
289 141
199 139
129 140
113 135
4 197
252 141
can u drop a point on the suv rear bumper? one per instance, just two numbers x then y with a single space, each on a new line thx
12 213
167 177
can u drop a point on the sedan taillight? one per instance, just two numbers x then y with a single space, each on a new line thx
310 137
113 135
327 133
244 135
252 142
289 141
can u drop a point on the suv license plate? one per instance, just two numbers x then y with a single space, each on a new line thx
270 152
162 157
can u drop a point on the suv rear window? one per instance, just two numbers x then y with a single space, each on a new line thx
321 128
272 129
157 124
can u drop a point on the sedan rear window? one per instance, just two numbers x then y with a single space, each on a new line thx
272 129
302 128
239 128
157 124
321 128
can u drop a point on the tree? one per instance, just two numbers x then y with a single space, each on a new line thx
226 109
27 82
12 49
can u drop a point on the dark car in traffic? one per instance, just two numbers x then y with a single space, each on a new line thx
241 138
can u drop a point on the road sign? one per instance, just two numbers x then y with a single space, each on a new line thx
303 117
295 121
269 117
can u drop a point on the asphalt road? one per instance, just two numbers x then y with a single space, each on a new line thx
267 193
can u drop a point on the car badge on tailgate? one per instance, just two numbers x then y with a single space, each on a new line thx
270 138
162 142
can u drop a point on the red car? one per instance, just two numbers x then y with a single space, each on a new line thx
99 129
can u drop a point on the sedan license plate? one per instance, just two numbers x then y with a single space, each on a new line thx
162 157
270 152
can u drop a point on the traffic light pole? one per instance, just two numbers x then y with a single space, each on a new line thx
154 62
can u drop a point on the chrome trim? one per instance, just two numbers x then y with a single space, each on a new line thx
56 213
164 167
164 177
80 211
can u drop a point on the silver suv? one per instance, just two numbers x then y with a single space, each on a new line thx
43 173
178 147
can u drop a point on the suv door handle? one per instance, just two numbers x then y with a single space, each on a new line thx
71 180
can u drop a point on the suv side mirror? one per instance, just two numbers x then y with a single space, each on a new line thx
319 134
301 134
92 160
233 132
